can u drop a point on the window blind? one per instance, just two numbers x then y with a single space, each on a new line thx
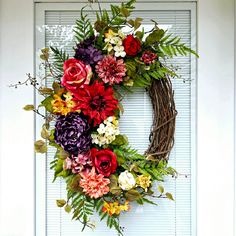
169 218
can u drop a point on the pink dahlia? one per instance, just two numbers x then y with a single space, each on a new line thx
111 70
94 185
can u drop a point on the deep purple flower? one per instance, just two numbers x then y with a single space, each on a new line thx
71 133
87 42
87 53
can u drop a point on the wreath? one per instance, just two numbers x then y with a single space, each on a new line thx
103 173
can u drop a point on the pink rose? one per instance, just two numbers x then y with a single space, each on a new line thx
76 74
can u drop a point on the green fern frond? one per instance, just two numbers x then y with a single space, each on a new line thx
172 46
83 28
83 208
59 58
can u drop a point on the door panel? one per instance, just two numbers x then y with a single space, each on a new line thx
54 27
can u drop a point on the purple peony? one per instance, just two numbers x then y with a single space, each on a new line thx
71 133
87 53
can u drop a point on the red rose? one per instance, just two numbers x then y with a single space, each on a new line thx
132 45
104 161
76 74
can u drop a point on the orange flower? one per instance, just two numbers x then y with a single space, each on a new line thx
94 185
63 106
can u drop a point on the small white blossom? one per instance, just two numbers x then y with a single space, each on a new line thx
119 51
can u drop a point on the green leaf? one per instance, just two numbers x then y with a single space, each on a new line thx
62 154
155 36
68 208
149 201
59 167
74 184
137 23
120 140
45 91
139 34
169 196
47 103
45 54
132 195
113 186
40 146
61 203
131 22
125 12
59 57
83 28
28 107
161 189
45 133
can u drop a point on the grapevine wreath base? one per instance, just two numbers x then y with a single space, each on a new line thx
102 172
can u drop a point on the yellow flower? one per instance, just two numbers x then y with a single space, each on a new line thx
109 35
143 181
125 207
114 207
63 107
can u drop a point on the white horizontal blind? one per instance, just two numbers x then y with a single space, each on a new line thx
169 218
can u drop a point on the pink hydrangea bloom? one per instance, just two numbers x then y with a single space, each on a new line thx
111 70
79 163
94 185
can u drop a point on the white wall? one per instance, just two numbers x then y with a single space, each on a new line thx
215 118
16 126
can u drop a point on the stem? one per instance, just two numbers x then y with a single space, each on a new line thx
100 9
37 112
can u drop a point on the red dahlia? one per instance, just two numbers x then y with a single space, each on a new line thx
96 101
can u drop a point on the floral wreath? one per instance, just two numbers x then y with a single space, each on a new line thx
102 172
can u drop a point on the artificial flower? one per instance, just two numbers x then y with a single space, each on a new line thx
71 133
76 74
109 35
96 101
107 131
63 106
89 55
119 51
114 42
111 70
94 185
126 180
81 162
132 45
115 208
104 161
144 181
148 57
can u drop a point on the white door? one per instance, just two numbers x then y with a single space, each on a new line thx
215 122
54 27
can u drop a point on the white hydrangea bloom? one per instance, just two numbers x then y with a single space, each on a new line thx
106 132
119 51
114 42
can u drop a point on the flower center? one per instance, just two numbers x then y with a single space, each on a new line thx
104 164
97 103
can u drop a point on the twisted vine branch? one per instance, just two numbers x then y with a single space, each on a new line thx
164 116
